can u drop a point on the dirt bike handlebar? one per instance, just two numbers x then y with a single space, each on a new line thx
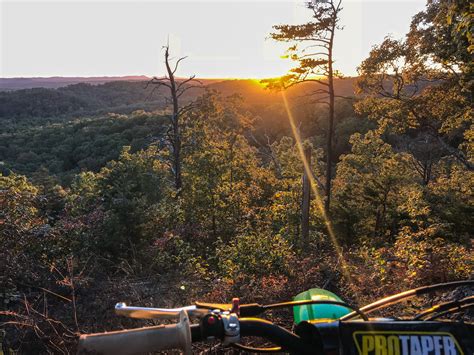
227 328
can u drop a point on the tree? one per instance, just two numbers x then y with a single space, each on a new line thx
422 86
376 190
120 205
442 33
20 221
225 185
315 60
286 212
419 91
177 88
18 202
450 195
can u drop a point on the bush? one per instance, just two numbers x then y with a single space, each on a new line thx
416 258
255 256
428 258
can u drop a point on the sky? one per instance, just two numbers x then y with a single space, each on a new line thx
221 39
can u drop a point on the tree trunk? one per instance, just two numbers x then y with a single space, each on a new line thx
177 157
306 201
330 133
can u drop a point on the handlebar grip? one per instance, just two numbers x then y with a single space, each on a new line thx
141 340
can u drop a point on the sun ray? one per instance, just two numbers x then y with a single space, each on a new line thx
316 192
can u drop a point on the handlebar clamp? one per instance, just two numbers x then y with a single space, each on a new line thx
231 329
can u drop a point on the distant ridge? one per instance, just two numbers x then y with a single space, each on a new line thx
60 81
228 86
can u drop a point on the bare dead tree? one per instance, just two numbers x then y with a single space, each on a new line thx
177 87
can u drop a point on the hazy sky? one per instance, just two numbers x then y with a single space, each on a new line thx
221 38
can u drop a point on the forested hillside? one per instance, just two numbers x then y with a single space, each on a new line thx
90 214
83 126
125 96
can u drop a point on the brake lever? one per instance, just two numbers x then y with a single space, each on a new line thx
158 313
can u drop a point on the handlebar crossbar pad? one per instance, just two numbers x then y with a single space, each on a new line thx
141 340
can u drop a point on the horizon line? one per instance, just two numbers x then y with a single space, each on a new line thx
146 76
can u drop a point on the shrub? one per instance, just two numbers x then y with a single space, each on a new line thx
253 255
416 258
